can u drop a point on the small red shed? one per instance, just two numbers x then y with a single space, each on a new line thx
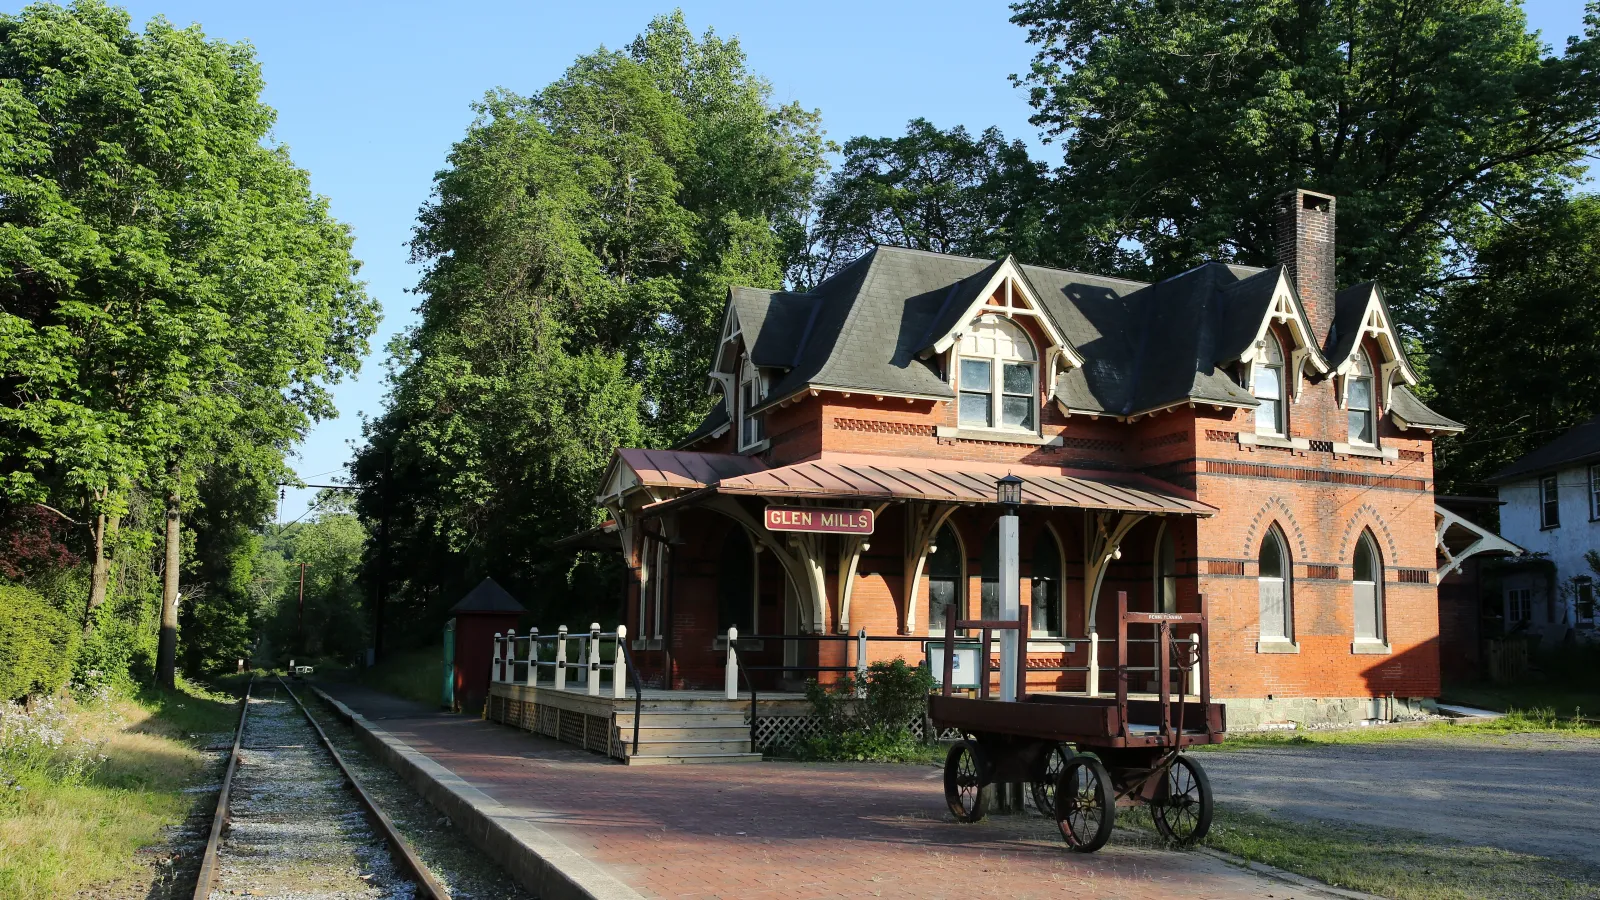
485 610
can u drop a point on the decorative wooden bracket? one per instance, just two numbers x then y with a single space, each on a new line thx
923 521
1107 543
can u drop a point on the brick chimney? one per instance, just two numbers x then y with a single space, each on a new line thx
1304 243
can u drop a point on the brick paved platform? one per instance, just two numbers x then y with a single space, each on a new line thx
788 830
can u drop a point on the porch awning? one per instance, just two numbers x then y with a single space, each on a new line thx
842 476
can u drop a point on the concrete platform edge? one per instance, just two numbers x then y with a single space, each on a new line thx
536 859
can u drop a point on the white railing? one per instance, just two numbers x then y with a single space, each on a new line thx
519 660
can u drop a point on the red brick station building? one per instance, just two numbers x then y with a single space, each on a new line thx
1244 435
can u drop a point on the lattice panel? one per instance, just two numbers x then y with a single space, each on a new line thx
549 721
773 732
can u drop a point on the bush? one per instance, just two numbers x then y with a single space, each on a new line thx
869 721
37 644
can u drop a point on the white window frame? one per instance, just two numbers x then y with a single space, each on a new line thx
1370 418
750 376
1160 575
1379 626
995 389
1271 371
1518 596
936 623
1594 492
1277 642
1549 502
1059 578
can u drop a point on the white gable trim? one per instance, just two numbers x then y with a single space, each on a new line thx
1285 309
1009 277
1375 324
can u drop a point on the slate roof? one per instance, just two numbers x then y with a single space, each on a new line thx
1144 346
1579 445
488 596
1414 413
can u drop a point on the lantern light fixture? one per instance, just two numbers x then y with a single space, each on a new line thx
1008 492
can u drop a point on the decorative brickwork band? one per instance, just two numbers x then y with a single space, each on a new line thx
1330 573
876 426
1413 455
1321 446
1284 473
1224 566
1166 440
1416 576
1222 437
1097 444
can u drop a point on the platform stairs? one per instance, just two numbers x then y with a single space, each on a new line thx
686 730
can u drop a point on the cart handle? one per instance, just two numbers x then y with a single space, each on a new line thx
988 626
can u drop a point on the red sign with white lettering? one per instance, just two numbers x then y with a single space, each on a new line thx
820 520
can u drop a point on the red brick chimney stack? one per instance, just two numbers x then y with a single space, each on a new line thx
1304 237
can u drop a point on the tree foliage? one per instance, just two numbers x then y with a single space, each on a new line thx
173 297
1179 124
577 254
1519 350
943 191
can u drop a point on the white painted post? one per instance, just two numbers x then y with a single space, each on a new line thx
561 658
861 663
494 665
594 659
533 657
1194 673
509 673
619 667
1010 606
731 671
1094 664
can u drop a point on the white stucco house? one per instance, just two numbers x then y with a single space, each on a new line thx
1551 500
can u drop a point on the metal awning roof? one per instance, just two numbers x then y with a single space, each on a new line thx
842 476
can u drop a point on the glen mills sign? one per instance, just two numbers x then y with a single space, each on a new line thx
821 520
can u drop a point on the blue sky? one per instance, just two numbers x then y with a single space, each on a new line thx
371 95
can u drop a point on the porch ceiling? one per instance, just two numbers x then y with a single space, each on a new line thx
860 477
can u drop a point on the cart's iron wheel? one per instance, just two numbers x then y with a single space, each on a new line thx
966 772
1044 782
1182 805
1083 804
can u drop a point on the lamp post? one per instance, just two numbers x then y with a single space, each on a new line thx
1008 493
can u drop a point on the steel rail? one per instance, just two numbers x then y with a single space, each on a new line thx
208 862
429 886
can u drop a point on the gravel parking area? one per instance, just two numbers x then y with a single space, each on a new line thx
1531 793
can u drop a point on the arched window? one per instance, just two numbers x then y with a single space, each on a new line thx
1045 600
736 583
996 376
752 390
1267 384
1166 586
1359 402
1368 590
1277 603
989 570
944 578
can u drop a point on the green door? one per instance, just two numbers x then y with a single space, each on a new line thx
450 664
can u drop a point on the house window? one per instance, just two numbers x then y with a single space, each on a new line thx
944 578
1358 405
1368 590
997 383
1045 600
1266 382
1277 612
736 583
1584 597
752 425
1549 503
1166 585
1594 492
1519 606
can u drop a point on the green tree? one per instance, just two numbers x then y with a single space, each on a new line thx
943 191
1180 123
172 288
1522 355
577 254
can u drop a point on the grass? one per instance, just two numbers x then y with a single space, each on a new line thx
412 674
1565 701
77 813
1391 862
1543 721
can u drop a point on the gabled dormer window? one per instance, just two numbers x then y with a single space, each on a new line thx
1359 403
1266 382
997 369
752 390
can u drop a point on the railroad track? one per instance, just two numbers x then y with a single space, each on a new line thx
293 820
